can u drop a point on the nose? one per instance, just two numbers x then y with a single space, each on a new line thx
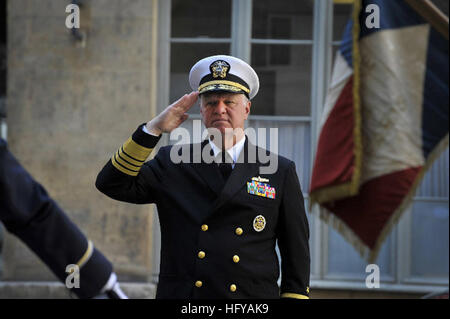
221 108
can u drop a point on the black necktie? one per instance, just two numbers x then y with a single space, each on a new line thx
225 165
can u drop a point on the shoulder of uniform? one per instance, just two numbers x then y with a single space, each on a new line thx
283 162
166 149
177 152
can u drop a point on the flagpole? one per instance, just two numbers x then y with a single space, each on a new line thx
432 14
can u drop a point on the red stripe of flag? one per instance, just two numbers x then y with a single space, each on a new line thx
368 213
335 159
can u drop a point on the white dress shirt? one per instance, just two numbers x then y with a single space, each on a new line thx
234 151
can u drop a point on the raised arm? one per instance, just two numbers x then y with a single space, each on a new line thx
126 176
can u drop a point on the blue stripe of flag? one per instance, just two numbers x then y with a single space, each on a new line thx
435 102
394 14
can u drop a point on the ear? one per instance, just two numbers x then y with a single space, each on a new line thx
248 105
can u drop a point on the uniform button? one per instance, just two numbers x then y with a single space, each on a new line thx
204 227
201 254
233 288
239 231
198 284
236 258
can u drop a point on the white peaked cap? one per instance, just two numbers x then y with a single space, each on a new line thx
224 73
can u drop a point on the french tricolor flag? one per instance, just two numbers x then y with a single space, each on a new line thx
385 120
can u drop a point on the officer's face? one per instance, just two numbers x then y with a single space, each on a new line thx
224 110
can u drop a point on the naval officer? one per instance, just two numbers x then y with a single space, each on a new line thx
220 220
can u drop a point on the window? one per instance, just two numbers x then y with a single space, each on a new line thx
281 47
200 28
281 39
278 38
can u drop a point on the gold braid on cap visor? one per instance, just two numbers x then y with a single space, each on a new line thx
222 84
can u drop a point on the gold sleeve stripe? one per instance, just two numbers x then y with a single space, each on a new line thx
292 295
128 158
125 164
87 254
123 169
343 1
136 151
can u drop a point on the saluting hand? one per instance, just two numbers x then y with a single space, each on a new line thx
173 115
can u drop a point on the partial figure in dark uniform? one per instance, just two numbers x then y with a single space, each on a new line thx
220 220
29 213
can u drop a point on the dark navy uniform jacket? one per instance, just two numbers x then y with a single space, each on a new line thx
28 212
217 239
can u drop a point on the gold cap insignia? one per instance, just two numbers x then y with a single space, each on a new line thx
219 68
259 223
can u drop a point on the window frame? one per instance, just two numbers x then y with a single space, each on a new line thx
400 280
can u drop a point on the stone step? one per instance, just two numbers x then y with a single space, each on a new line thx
56 290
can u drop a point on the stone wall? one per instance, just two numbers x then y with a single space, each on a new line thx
70 105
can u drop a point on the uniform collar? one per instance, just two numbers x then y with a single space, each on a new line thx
234 151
